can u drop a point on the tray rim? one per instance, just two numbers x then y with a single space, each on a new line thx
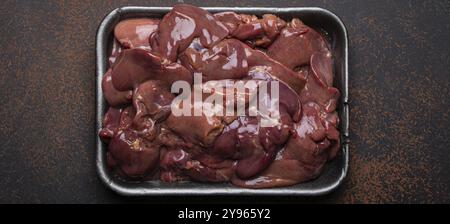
102 31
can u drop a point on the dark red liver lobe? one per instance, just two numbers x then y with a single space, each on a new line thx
147 141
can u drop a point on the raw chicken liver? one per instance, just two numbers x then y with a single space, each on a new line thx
146 141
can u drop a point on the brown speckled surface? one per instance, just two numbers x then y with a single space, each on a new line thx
399 92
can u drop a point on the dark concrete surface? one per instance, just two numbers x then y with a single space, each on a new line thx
399 92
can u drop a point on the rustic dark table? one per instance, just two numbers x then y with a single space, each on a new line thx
399 92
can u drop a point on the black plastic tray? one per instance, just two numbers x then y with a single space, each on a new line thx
334 171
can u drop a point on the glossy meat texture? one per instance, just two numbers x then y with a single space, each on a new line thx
130 154
287 96
147 141
200 130
181 25
231 59
316 140
110 124
115 51
135 33
225 60
178 164
261 32
315 137
152 101
295 45
252 30
252 146
134 66
114 97
280 72
317 88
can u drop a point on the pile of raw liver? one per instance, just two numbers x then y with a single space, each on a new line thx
146 142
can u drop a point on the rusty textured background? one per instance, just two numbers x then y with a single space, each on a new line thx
399 92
